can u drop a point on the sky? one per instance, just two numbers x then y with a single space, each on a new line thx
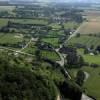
60 0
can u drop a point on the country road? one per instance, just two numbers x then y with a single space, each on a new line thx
74 33
32 39
5 48
85 97
62 62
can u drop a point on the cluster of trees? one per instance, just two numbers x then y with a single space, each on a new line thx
19 82
5 14
72 58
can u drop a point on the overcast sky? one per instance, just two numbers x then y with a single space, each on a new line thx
61 0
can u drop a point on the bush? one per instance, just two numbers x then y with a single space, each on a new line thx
94 65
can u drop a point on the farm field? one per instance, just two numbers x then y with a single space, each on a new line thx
29 21
4 22
50 55
55 26
55 33
67 25
71 25
91 27
10 38
88 58
85 40
92 15
52 41
30 49
7 8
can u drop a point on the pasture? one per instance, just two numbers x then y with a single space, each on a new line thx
50 55
4 21
31 49
52 41
92 84
9 38
55 26
85 40
88 58
71 25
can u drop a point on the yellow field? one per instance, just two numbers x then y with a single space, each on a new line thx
92 15
92 27
92 23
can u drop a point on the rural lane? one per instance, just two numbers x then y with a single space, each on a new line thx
5 48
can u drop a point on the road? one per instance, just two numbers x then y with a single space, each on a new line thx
26 45
32 39
62 62
85 97
74 33
19 52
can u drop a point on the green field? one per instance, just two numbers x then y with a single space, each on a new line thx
31 49
50 55
55 26
10 38
52 41
85 40
4 22
67 25
55 33
88 58
7 8
71 25
92 84
29 21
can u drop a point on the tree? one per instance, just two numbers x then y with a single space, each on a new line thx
80 77
78 35
38 54
72 58
86 51
92 47
81 61
98 48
